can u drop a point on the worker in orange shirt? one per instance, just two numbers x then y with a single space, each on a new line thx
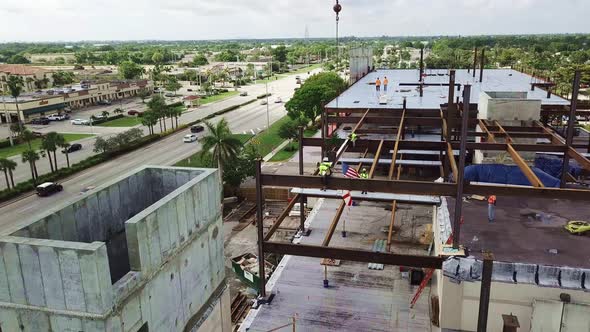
378 84
491 208
385 82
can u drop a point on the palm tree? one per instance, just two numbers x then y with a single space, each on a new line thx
177 113
157 105
27 136
49 144
118 111
105 114
65 146
31 157
221 143
7 166
60 140
149 119
15 85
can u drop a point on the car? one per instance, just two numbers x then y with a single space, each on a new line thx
48 188
80 122
297 77
104 102
133 112
169 94
189 138
56 117
197 129
278 100
99 117
37 134
577 227
244 93
40 121
263 102
72 148
189 90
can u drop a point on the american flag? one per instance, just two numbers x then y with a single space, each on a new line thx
349 172
347 198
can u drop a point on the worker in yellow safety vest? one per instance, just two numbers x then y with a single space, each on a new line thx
364 175
325 170
353 137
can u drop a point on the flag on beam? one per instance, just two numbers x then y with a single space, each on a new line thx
347 198
349 172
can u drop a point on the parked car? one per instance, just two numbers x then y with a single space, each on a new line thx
197 129
133 112
37 134
104 102
80 122
72 148
48 188
56 117
244 93
169 94
263 102
189 90
278 100
190 138
40 121
99 117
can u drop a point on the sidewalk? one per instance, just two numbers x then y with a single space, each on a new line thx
277 149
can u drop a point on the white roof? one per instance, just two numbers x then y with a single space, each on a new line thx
45 185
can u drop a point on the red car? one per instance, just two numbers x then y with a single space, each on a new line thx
133 112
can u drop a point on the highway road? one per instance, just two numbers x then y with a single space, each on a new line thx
167 151
283 88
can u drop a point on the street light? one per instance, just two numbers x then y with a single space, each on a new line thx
267 110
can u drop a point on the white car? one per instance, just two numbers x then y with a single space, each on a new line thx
56 117
278 100
189 138
80 122
263 102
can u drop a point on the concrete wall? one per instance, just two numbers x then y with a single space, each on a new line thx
175 250
460 303
360 60
508 106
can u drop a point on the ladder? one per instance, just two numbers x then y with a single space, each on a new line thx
428 276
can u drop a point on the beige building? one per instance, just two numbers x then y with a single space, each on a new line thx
34 78
34 105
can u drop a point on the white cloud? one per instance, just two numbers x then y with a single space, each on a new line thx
32 20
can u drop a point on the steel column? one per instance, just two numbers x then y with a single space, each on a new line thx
482 64
570 127
461 169
484 295
474 61
260 228
302 200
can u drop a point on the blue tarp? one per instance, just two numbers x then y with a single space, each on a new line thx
506 174
552 164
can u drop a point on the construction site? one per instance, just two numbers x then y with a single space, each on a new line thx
462 221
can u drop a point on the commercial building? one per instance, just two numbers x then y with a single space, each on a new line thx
141 253
34 78
45 102
436 145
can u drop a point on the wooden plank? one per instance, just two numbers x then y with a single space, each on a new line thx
396 145
508 138
528 172
333 224
376 160
583 161
282 217
483 126
452 160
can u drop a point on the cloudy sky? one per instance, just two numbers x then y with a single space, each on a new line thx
70 20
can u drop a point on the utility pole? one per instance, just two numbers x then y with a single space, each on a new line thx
267 110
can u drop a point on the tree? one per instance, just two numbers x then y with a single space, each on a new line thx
149 119
7 166
227 56
27 136
200 60
172 84
222 145
143 94
157 105
317 91
130 70
280 53
117 111
61 78
157 57
31 157
49 144
105 114
66 146
17 59
15 86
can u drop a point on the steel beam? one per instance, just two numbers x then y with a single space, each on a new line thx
393 120
396 145
354 255
333 225
459 178
570 126
376 160
260 230
281 217
485 290
526 170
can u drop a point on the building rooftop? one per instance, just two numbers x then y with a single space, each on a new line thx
22 69
362 94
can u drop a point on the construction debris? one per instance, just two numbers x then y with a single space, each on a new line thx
378 246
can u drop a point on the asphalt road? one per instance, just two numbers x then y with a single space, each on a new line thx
283 88
164 152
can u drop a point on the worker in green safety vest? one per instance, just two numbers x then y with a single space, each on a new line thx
353 137
325 170
364 175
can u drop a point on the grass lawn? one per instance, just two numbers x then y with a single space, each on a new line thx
288 151
269 139
127 121
36 144
195 159
294 72
221 96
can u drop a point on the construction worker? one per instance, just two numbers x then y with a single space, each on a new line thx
491 208
385 82
364 175
378 84
353 137
325 170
